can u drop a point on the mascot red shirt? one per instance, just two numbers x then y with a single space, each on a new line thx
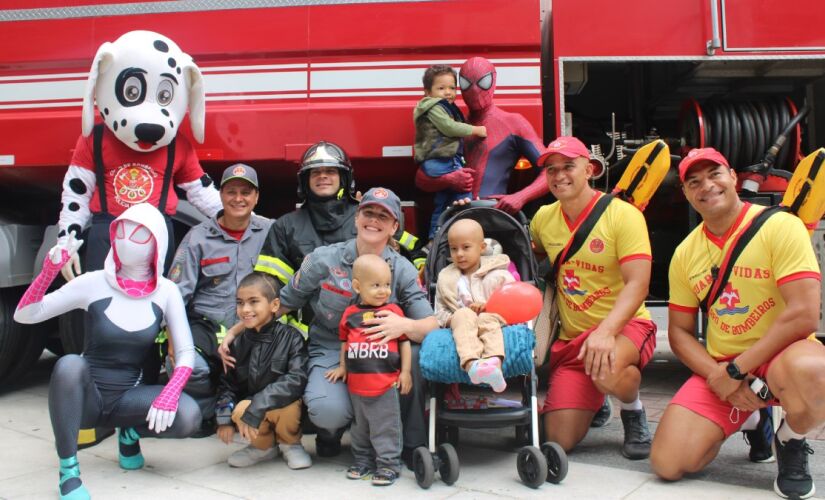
129 179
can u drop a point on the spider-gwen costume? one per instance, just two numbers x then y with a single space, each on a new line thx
127 301
490 160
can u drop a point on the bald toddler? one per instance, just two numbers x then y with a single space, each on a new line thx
462 291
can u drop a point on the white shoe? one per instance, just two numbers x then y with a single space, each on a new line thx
251 456
296 456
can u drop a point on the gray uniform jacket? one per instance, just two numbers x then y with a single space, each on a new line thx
324 281
209 264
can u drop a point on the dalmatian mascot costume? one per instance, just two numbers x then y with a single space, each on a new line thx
490 160
127 302
143 85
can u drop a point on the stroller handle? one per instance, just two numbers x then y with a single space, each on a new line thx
451 210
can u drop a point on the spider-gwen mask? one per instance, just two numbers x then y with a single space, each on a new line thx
133 244
477 79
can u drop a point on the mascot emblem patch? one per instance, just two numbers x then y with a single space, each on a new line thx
133 184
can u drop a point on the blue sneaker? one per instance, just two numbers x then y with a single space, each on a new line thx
129 454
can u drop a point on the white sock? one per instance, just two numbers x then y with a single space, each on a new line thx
636 405
785 433
751 423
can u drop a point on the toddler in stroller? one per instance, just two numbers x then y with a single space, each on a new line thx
462 291
480 346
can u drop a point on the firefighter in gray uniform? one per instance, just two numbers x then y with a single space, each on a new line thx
324 282
208 265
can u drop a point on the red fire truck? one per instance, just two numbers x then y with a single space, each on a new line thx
280 75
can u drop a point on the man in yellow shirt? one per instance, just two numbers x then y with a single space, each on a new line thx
607 336
760 326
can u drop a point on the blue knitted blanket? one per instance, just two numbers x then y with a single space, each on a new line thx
439 359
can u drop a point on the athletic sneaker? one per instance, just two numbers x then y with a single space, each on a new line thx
296 456
794 478
488 371
250 455
636 434
602 417
761 438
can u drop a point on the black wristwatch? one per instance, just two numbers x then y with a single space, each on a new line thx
733 371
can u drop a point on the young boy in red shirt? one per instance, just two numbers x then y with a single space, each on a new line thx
374 372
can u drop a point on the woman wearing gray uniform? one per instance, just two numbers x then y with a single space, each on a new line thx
324 281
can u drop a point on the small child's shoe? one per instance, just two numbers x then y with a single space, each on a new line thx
490 373
296 456
475 370
384 477
250 455
129 455
487 371
359 472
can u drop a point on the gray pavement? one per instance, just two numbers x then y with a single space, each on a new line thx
196 468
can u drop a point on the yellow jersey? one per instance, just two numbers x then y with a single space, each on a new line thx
590 281
750 302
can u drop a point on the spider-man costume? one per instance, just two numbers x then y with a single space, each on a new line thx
490 160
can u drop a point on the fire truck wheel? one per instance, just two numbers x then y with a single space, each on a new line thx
12 334
72 328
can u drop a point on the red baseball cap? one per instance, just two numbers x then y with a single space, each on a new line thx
696 156
565 146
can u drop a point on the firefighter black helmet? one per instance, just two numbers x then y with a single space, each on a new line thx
326 154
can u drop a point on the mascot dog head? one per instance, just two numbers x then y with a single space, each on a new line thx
143 84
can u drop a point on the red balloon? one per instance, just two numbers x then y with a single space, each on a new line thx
516 302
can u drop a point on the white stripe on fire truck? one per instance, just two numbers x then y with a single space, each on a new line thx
232 83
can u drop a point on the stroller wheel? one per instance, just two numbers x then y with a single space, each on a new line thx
556 462
423 467
449 467
532 466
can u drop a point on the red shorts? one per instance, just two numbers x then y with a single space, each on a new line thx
698 397
570 387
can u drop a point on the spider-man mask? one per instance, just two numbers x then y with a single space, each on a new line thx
477 80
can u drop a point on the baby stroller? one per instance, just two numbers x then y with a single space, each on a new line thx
535 464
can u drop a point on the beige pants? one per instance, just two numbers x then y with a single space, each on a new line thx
477 336
282 425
